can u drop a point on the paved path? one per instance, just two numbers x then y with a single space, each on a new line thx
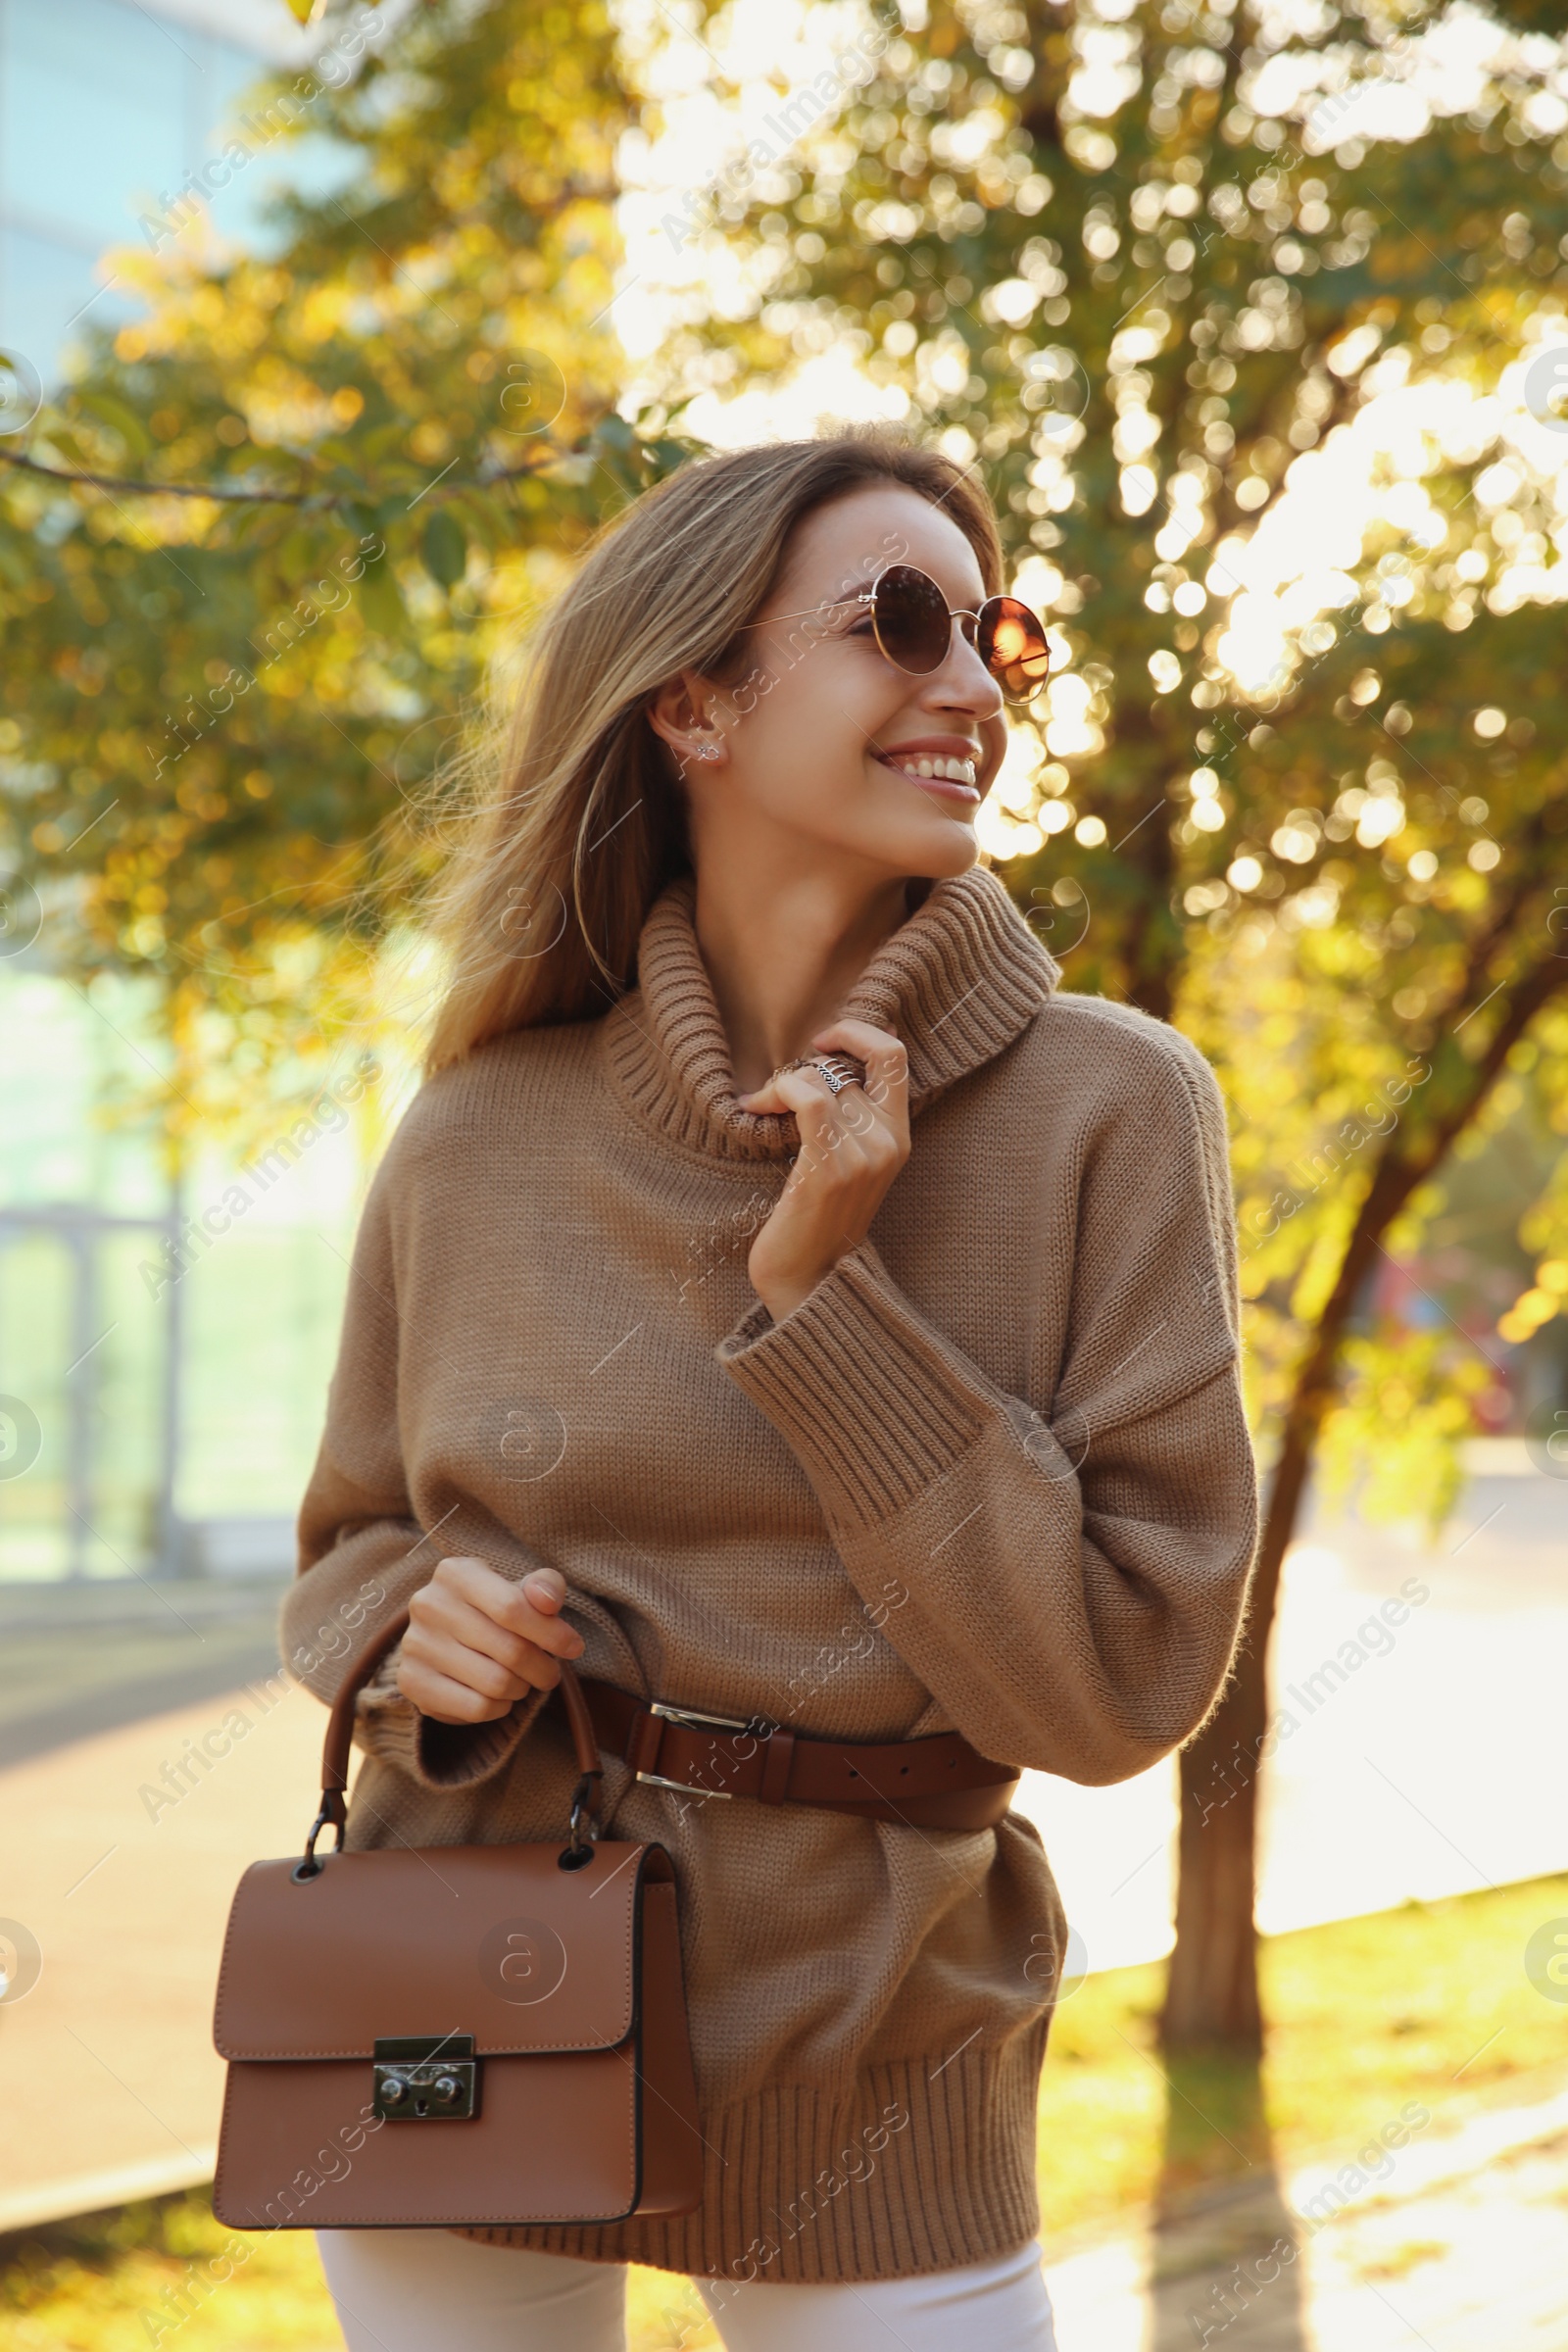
108 2081
85 1659
1465 2249
1424 1758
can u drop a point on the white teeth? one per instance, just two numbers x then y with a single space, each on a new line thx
925 765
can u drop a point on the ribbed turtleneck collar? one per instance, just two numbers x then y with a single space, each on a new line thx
957 982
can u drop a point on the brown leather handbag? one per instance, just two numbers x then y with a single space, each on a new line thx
455 2036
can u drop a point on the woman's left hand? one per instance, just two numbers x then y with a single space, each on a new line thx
852 1144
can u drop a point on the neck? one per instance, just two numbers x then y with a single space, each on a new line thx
782 959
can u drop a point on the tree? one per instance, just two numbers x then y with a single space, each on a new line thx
218 706
1137 263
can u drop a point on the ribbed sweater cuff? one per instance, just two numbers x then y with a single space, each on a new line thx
437 1756
875 1402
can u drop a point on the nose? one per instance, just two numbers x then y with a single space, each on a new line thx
962 681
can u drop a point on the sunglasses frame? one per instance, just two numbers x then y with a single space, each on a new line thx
868 596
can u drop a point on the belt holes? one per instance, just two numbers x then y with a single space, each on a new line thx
904 1768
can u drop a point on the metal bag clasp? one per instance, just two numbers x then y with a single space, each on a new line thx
426 2078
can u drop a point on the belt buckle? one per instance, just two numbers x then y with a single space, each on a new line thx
694 1719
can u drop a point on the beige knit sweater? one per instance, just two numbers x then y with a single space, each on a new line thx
992 1474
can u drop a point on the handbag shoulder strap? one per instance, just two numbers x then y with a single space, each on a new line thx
338 1744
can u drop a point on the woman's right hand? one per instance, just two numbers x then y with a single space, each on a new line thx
476 1641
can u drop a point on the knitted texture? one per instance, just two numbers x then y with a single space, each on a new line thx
991 1475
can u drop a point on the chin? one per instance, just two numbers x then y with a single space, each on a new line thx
916 832
938 849
923 839
953 855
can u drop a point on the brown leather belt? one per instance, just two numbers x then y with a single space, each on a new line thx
936 1784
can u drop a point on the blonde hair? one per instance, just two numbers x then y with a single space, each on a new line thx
581 823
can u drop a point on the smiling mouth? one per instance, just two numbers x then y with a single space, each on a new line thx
940 772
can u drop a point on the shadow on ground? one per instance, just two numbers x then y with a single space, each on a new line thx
1224 2263
79 1659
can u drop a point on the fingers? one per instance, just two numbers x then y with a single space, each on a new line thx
826 1119
445 1700
809 1095
885 1087
847 1130
477 1641
852 1144
887 1065
770 1096
499 1608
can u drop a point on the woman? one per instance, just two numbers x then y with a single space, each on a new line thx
781 1302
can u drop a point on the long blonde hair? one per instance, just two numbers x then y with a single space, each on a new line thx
582 823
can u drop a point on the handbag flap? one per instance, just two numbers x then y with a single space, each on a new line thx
493 1941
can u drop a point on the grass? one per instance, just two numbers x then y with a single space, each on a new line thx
1429 2003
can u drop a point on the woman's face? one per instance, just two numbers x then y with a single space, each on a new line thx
818 748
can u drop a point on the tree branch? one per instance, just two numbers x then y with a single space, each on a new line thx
225 496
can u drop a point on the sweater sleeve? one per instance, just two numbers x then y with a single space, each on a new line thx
1076 1569
362 1554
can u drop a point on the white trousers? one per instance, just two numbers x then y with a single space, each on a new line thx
424 2290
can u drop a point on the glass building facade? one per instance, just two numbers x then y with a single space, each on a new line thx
144 1424
106 107
162 1368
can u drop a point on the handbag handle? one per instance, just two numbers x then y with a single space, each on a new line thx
338 1744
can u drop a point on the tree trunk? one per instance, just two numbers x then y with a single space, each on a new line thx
1211 1996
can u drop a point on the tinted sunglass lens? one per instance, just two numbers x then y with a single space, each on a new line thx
1012 643
913 626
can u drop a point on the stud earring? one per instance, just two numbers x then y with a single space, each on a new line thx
707 751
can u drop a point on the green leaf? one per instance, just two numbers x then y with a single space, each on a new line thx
119 417
444 548
380 600
248 523
297 555
69 447
667 456
482 513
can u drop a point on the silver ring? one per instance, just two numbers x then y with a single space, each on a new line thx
839 1069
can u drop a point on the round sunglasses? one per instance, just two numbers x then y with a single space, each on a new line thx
912 623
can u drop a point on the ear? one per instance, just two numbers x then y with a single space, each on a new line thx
681 716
